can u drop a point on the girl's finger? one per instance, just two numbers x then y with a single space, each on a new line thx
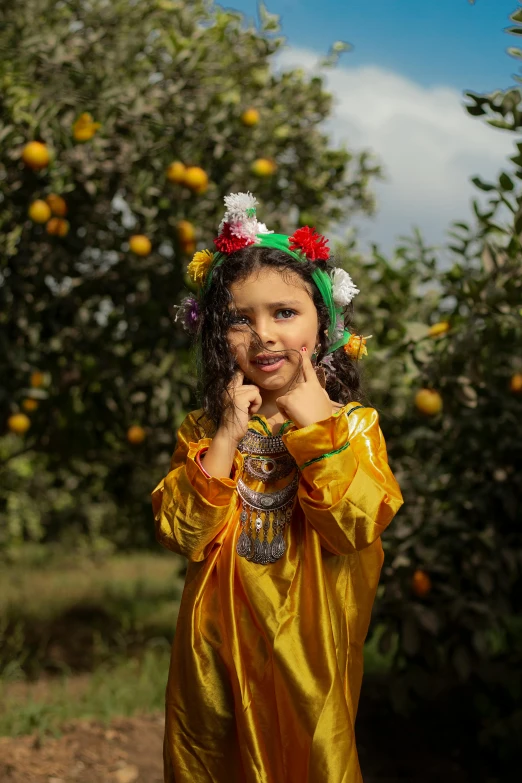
255 404
280 402
307 368
237 380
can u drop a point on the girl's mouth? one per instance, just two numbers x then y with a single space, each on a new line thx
269 364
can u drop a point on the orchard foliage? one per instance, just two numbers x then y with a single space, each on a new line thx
123 125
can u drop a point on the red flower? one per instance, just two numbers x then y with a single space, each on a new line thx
312 244
229 243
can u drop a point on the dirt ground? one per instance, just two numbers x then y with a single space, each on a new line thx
130 751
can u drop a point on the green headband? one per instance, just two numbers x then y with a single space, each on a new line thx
320 278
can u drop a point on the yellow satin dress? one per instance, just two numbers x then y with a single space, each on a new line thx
267 660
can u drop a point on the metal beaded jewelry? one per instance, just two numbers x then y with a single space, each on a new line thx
260 510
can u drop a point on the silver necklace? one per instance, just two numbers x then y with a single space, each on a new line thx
267 459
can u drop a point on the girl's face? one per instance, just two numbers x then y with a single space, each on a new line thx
281 311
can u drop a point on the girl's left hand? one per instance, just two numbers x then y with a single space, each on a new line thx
307 402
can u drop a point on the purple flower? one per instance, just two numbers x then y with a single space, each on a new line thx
327 364
191 313
188 312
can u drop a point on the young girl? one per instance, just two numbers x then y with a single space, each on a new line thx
278 492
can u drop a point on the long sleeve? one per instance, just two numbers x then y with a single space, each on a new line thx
191 510
347 490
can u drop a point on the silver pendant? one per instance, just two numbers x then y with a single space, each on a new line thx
266 458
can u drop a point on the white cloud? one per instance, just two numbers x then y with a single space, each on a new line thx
428 145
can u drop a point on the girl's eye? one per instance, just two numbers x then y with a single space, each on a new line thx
238 318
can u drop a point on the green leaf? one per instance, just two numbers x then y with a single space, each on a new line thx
506 183
514 51
518 222
475 111
428 619
461 662
516 16
485 581
416 330
341 46
269 22
410 636
479 183
503 124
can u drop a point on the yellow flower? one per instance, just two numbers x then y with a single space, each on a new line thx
199 266
356 346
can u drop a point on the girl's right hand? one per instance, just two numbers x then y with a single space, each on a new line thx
245 402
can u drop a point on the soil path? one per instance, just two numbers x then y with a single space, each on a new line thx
129 750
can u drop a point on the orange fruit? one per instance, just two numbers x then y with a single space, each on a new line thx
57 227
29 404
196 179
250 117
263 167
84 133
176 172
515 383
37 379
84 128
39 211
428 401
36 155
420 583
19 423
186 231
57 204
188 247
442 327
136 434
140 244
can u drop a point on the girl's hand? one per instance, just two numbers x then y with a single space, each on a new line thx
246 401
307 402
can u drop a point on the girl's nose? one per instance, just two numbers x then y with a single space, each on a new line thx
265 331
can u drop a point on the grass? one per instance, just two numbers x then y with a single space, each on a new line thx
127 687
47 591
72 616
91 639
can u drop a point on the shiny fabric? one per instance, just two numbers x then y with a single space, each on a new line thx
267 661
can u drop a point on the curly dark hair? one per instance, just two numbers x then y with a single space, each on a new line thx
216 364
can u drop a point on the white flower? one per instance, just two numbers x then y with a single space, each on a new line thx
249 229
343 287
239 207
262 229
241 216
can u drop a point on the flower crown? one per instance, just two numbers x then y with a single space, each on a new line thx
240 228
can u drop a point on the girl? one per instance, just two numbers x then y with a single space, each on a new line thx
278 492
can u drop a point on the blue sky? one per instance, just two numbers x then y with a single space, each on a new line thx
432 42
399 93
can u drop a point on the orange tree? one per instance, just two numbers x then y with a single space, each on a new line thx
122 127
445 371
451 598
